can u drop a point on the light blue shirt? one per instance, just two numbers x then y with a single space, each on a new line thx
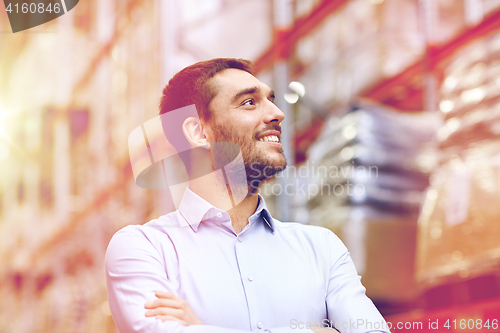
271 277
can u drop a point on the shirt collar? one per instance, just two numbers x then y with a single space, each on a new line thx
264 214
194 209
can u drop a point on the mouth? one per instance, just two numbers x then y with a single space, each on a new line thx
271 137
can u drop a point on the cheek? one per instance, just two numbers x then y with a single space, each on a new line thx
242 126
245 132
248 126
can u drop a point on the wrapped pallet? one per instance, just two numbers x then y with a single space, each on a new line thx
459 228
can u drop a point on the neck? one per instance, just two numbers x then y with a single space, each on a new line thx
213 189
242 212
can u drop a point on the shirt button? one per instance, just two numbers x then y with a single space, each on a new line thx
250 278
259 325
240 239
219 215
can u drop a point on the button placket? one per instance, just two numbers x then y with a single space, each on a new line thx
246 266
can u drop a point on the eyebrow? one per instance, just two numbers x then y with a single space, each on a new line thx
250 91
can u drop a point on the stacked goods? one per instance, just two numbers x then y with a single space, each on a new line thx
458 226
363 42
381 158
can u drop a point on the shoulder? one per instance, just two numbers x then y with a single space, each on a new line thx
311 233
154 227
152 236
303 229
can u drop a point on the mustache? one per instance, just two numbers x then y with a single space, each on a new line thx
269 127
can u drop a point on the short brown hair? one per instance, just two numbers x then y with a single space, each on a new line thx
190 85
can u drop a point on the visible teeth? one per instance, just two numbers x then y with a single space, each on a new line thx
271 138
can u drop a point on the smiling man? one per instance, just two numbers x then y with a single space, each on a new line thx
220 266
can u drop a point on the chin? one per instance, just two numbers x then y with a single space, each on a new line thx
279 161
278 164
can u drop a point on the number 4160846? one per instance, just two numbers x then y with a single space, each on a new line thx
34 8
471 324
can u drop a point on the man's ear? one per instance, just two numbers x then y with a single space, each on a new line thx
194 132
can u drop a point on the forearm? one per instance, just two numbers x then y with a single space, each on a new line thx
349 309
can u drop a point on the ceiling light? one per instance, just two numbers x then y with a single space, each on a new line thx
291 98
473 95
446 106
298 88
349 132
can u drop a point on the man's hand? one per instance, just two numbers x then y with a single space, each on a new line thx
171 307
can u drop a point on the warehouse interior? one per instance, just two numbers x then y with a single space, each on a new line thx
392 134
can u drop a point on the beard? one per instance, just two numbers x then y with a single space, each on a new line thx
257 165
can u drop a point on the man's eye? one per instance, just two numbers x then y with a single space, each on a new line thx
249 102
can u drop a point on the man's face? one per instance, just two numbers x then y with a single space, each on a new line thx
243 112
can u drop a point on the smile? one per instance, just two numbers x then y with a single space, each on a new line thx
270 138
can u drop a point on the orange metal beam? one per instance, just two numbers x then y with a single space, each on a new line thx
489 25
286 40
385 90
70 230
103 51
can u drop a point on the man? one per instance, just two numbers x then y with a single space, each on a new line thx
220 266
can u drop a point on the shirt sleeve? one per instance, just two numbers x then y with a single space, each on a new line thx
134 271
349 309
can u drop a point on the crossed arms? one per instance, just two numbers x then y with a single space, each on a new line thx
169 307
135 269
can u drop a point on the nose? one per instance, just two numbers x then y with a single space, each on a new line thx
273 114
